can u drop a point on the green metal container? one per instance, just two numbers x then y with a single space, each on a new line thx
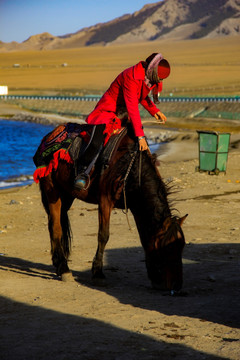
213 151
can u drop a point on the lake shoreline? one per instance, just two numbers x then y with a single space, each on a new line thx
180 135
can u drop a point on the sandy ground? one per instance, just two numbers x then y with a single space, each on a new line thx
44 318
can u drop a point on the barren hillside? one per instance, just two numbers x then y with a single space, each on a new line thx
168 19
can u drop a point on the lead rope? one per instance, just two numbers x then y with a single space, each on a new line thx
125 211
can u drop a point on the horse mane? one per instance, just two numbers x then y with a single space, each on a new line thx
145 188
153 190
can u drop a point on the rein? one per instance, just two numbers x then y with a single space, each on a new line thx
125 211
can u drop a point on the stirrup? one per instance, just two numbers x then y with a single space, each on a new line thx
80 182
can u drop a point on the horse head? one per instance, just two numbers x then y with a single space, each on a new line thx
164 255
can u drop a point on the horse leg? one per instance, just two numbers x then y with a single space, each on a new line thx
58 226
59 258
104 212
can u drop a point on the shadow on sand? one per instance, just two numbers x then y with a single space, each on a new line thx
31 332
211 281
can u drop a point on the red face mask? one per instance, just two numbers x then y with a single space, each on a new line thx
163 69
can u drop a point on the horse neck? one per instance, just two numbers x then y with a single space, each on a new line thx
149 203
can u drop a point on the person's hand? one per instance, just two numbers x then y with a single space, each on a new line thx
142 143
160 117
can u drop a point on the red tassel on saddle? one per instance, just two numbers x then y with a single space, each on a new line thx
53 164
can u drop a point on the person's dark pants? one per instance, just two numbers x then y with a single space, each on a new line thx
90 155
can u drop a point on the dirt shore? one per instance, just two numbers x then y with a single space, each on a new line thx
44 318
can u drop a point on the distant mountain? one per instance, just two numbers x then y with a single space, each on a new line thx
168 19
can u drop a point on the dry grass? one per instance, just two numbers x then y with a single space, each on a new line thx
210 66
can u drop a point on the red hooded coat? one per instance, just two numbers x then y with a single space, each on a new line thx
127 90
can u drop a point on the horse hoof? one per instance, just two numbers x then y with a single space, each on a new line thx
67 277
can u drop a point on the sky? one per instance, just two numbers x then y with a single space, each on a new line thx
20 19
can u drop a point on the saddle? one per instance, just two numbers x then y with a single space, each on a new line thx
67 142
111 146
78 147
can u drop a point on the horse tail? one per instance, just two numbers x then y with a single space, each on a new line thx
66 239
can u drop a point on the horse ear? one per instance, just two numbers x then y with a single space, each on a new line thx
182 219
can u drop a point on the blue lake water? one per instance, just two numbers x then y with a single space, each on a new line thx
18 144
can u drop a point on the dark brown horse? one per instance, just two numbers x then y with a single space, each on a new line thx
127 176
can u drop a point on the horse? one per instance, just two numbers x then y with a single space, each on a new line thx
130 180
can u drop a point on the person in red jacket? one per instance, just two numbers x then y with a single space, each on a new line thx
130 88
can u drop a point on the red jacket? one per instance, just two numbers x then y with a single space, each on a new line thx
127 90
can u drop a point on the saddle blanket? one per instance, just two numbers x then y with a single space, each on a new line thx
55 145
